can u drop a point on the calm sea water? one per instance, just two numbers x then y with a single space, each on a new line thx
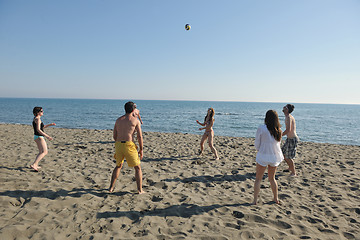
326 123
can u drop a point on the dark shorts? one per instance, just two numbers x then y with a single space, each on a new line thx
289 148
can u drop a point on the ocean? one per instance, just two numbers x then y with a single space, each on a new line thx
324 123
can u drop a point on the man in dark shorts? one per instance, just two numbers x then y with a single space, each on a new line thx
289 148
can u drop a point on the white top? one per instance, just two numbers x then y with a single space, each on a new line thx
269 151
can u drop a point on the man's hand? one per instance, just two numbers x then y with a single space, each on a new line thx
141 154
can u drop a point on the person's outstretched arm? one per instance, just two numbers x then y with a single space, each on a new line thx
140 139
49 125
202 124
140 118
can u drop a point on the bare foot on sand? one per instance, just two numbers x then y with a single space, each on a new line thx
141 192
111 190
36 169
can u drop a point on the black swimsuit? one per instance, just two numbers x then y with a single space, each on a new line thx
36 132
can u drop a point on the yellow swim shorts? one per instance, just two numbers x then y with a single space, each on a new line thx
127 150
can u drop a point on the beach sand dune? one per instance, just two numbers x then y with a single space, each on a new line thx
187 196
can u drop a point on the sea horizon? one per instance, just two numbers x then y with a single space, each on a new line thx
176 100
316 122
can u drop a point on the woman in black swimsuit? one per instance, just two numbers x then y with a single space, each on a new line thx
209 132
39 135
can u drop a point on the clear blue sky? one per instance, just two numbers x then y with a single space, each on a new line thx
241 50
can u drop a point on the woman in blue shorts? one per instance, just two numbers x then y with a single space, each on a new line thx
39 135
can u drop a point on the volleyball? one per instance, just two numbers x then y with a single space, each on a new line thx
187 27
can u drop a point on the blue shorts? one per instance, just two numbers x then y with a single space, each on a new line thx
36 137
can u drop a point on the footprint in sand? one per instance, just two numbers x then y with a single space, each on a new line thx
183 198
314 220
156 198
161 185
256 218
348 235
238 214
282 225
357 210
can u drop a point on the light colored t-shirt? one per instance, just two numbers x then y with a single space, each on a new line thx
269 151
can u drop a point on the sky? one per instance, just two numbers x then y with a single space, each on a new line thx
304 51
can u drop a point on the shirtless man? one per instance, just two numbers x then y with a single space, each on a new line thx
136 113
289 148
124 129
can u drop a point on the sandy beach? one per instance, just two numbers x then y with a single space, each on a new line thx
187 196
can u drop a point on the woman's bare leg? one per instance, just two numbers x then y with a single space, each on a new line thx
273 183
260 170
211 145
43 150
202 143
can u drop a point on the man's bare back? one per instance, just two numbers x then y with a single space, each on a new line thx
125 127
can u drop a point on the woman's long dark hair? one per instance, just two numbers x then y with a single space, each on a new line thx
273 124
211 116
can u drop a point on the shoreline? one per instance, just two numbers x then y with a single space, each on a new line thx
187 196
200 134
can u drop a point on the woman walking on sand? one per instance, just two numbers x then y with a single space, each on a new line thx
267 143
209 132
39 135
